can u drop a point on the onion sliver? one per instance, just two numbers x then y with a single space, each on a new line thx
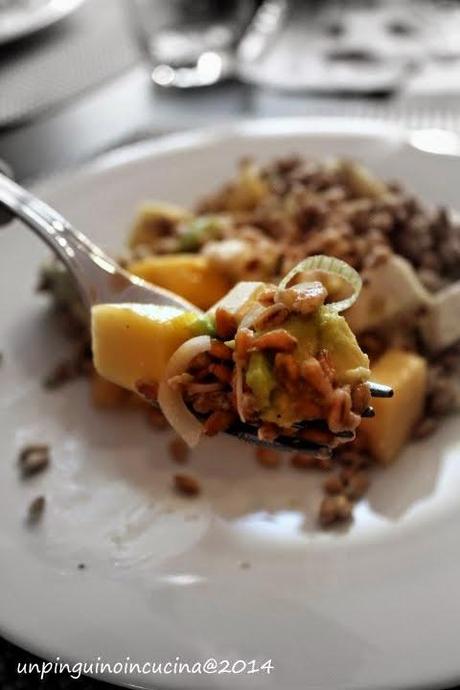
254 311
171 401
239 390
334 266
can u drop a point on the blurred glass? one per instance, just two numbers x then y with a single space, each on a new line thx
191 43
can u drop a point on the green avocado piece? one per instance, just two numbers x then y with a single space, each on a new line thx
204 325
260 378
305 329
336 336
281 410
324 330
199 230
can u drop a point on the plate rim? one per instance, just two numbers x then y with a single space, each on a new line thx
165 142
258 127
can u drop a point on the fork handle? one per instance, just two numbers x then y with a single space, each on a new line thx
86 262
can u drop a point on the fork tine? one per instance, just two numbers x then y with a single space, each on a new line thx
245 432
379 390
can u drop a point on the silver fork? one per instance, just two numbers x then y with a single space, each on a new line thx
100 279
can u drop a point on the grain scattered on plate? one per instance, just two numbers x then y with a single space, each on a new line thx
333 485
36 510
357 486
186 484
306 461
62 373
335 509
33 459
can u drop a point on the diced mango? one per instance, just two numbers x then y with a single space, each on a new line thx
133 342
106 395
394 420
189 275
152 220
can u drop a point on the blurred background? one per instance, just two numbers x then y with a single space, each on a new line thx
81 77
78 77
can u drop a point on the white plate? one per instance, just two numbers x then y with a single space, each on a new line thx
374 607
20 18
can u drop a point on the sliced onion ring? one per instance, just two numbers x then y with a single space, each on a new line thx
171 401
334 266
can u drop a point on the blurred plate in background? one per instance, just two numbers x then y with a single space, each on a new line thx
20 18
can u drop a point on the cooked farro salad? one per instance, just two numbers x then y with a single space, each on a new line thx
276 259
280 358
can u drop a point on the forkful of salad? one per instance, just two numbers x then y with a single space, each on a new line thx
275 365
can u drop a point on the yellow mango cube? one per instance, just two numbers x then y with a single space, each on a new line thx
189 275
391 428
134 342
